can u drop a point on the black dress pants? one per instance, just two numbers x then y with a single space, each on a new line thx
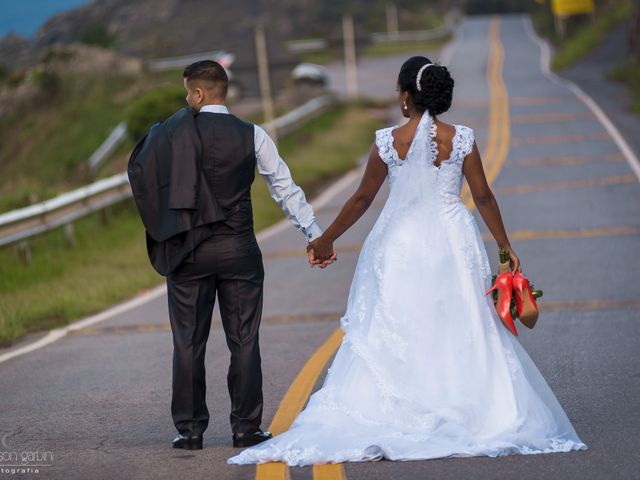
231 267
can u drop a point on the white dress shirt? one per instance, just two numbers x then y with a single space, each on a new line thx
276 174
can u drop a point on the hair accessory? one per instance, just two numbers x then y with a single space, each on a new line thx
419 76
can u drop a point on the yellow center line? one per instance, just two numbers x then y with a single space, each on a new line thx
495 153
330 471
589 305
295 398
569 160
586 182
569 233
577 138
299 391
611 231
527 101
550 117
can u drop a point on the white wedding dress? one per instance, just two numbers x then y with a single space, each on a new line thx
426 368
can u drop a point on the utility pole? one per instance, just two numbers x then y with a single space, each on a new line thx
634 36
560 24
392 20
264 80
351 66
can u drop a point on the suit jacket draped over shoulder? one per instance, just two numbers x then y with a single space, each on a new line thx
175 203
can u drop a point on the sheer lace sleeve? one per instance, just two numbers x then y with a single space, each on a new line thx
466 139
384 142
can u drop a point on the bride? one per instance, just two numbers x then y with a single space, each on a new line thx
426 369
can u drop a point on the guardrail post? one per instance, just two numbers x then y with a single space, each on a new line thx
104 215
68 234
22 250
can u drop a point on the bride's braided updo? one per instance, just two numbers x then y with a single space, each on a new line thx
436 85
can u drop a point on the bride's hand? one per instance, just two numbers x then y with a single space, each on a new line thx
514 260
321 252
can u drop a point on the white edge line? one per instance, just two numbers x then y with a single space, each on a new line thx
612 130
56 334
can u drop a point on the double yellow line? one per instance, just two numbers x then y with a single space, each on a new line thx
299 391
495 153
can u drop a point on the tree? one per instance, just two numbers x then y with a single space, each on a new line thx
634 37
154 106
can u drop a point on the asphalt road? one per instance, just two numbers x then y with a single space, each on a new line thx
95 404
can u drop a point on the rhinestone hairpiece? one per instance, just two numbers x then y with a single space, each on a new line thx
419 76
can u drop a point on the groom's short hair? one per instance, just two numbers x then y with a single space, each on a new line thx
212 75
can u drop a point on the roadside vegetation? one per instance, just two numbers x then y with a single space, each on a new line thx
629 74
586 32
108 262
422 19
398 48
583 32
326 56
45 144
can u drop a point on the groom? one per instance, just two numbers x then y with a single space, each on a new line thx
191 177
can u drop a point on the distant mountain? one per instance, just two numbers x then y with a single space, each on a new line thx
169 27
160 28
25 17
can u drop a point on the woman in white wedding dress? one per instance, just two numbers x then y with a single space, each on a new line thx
426 369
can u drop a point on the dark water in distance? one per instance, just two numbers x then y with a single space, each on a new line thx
24 17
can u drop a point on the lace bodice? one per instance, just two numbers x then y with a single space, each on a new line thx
448 173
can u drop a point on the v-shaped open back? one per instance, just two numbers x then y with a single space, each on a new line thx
433 145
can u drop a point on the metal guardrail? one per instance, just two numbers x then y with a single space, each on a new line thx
317 44
289 121
307 45
410 36
29 221
162 64
108 146
418 35
21 224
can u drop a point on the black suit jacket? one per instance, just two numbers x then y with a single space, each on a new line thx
177 208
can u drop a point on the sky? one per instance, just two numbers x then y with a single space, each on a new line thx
24 17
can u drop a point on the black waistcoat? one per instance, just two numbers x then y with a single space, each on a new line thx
229 163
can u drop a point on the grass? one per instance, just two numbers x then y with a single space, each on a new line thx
584 33
398 48
325 56
319 57
425 19
44 148
629 74
109 262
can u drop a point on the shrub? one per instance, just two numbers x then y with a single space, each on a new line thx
483 7
48 82
16 77
98 35
153 106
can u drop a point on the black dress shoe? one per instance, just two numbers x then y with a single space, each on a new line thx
242 440
188 442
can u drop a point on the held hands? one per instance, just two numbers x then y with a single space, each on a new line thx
321 252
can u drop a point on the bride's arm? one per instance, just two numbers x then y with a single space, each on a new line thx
486 203
375 173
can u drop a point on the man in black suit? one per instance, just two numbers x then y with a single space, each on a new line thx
197 197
